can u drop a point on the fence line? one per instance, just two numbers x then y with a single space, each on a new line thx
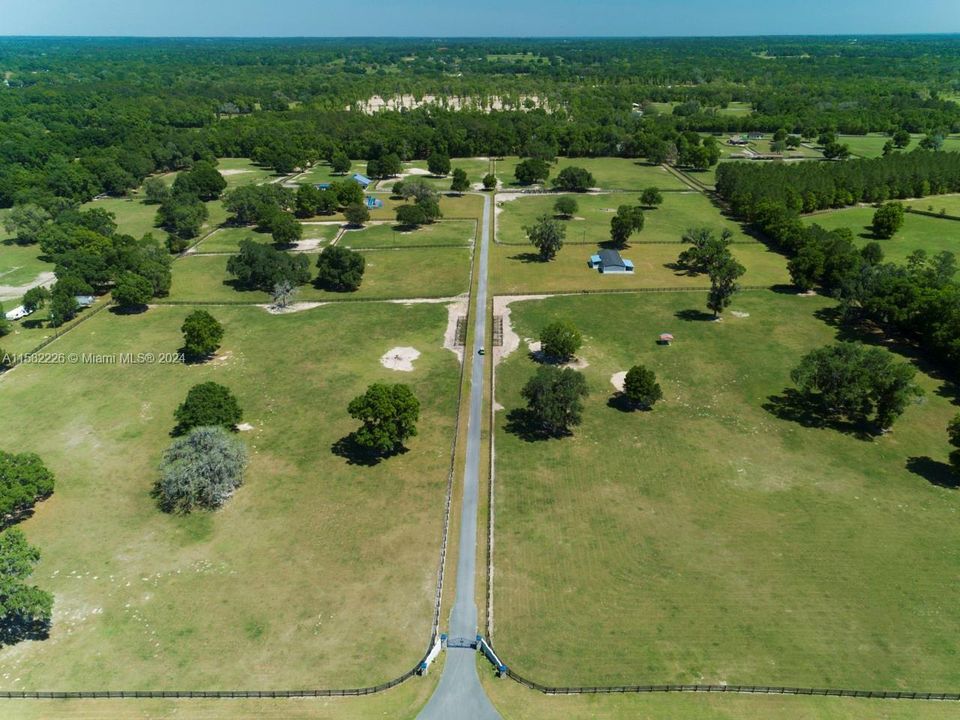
742 689
927 213
627 291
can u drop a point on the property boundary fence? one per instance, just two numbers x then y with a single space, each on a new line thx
927 213
741 689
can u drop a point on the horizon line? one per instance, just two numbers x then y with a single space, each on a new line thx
4 36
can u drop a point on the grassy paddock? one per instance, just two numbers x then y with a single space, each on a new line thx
323 173
243 171
228 239
610 173
937 203
919 232
710 540
318 573
390 273
518 269
443 233
678 213
20 264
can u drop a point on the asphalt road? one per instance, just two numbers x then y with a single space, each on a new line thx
459 694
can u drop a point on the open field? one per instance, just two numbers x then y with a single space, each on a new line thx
515 702
318 573
937 203
389 235
243 171
711 540
20 264
227 239
389 274
871 146
610 173
134 217
323 173
919 232
678 213
518 270
736 109
475 168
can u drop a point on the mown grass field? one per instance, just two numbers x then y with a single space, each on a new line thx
317 573
228 239
390 273
388 235
323 173
679 212
136 218
937 203
243 171
711 540
475 168
871 146
20 264
515 702
610 173
919 232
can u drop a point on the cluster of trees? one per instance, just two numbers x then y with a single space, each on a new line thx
856 383
918 300
25 610
258 266
709 253
183 209
425 208
627 221
754 189
697 151
200 470
90 257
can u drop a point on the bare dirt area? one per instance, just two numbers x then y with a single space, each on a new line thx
511 341
400 359
13 292
291 308
455 311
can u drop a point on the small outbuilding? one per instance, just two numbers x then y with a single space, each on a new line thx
665 339
610 262
84 301
373 203
362 180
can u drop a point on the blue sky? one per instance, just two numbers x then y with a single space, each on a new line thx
478 18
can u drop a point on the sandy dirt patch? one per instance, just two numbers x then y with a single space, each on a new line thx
417 171
617 380
536 350
244 427
291 308
13 292
738 314
455 311
511 341
308 245
400 358
237 171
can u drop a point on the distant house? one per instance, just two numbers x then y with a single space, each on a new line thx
609 261
756 136
84 301
18 313
322 186
737 140
362 180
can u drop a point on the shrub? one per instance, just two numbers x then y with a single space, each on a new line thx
208 404
560 340
201 334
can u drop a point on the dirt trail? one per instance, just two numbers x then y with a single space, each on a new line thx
15 292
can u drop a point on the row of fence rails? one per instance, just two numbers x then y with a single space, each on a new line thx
740 689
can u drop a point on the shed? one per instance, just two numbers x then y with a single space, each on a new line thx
84 301
362 180
18 313
609 261
322 186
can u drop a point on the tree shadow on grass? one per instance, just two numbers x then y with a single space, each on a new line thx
14 630
692 315
794 406
523 423
934 472
619 401
129 310
350 450
527 257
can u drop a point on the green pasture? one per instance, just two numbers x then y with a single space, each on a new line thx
389 235
317 573
610 173
227 239
714 539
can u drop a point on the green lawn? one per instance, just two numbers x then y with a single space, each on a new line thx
136 218
518 270
413 273
475 168
709 540
20 264
243 171
317 573
388 235
736 109
323 173
227 240
937 204
678 213
918 231
610 173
